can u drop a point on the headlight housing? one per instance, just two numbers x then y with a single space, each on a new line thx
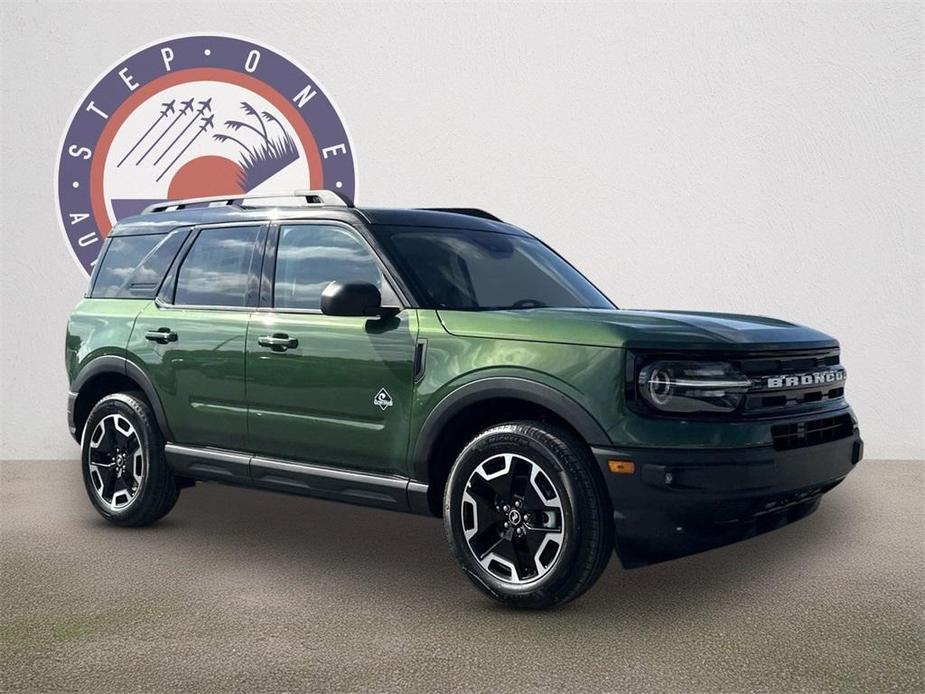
688 387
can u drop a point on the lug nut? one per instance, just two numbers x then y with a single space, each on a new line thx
507 525
506 508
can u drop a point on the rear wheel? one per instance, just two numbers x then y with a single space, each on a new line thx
526 516
122 459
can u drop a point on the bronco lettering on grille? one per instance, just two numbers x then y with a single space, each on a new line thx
805 379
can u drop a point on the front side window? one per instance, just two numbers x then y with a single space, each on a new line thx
484 270
216 270
133 266
309 257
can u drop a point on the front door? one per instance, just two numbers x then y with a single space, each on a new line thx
191 343
328 390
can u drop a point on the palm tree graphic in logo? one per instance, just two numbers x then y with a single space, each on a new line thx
270 147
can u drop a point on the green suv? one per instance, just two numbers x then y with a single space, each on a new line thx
445 363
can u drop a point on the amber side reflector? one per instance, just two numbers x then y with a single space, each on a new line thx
622 467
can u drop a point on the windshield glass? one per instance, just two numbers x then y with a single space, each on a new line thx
482 270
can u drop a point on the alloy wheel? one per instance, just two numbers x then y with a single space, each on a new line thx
116 462
512 518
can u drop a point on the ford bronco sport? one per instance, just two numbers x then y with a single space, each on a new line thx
445 363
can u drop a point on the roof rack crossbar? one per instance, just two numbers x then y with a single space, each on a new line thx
308 197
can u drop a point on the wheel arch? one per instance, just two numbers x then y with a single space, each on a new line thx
479 404
111 374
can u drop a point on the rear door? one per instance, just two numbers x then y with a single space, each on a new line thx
340 394
191 341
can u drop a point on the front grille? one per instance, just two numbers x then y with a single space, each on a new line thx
812 433
763 400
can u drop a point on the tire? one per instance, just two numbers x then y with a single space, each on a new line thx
122 461
542 482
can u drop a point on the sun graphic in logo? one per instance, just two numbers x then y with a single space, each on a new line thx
194 116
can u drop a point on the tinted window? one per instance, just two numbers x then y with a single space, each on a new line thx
134 266
216 269
463 269
310 257
122 257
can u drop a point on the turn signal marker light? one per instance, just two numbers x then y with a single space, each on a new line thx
622 467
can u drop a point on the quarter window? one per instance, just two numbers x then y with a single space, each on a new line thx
133 266
215 272
310 257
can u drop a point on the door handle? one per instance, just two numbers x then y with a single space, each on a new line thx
162 335
278 342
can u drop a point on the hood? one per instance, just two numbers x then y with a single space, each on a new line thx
636 329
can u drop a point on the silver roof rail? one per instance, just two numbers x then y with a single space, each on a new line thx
307 197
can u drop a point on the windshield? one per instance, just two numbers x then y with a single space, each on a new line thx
483 270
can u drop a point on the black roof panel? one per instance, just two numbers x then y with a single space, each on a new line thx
434 218
162 222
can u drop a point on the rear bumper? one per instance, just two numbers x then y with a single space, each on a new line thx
682 501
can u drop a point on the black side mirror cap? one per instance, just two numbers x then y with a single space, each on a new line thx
354 299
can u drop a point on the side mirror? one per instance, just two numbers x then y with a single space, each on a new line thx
352 299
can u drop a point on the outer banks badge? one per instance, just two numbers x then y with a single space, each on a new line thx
192 116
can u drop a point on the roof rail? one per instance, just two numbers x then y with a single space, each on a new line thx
307 197
469 211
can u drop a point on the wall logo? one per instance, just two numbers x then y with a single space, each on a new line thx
191 116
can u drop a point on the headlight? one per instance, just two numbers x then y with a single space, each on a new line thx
692 387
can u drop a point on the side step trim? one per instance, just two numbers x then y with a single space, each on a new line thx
234 467
208 463
326 482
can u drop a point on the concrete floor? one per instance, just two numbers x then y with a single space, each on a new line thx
240 591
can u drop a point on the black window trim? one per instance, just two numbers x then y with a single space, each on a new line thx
268 270
166 295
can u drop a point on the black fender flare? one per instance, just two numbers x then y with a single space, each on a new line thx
501 387
110 364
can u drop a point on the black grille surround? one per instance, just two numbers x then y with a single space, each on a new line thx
760 402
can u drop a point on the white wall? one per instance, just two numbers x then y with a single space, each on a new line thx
738 157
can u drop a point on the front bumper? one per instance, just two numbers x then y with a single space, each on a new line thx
683 501
72 427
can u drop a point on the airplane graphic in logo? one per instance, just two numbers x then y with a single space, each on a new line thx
204 106
187 106
168 109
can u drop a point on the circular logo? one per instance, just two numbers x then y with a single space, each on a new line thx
193 116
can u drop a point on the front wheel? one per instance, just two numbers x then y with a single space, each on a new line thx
122 458
526 517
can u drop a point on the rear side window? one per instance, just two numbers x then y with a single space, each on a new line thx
134 266
309 257
216 270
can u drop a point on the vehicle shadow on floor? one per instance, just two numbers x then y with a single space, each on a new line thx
406 559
